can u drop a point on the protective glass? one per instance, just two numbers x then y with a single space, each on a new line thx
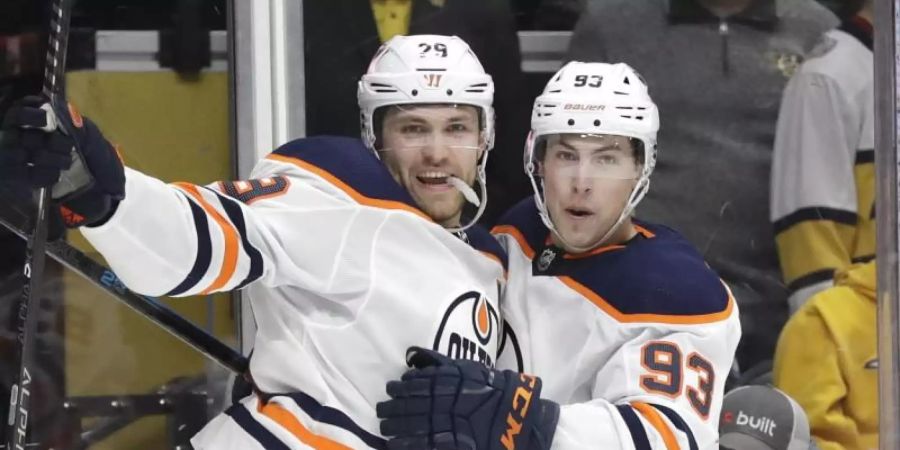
586 156
431 127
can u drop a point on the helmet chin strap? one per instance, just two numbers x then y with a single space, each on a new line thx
469 193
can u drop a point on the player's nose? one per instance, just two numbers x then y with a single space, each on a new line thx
582 183
435 150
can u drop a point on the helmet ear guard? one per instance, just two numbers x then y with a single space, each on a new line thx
594 99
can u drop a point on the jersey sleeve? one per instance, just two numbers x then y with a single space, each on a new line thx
286 226
813 190
661 389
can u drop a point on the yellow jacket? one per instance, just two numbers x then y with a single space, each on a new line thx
827 360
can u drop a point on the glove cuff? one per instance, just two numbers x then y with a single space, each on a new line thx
90 190
545 425
91 210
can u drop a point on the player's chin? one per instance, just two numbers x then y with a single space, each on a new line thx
577 240
443 208
581 235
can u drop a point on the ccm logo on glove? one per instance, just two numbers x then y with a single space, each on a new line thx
520 403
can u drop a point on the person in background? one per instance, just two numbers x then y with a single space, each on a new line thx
823 173
837 382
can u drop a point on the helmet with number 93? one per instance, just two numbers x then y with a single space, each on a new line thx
592 107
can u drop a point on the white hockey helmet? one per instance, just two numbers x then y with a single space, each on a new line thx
594 99
427 70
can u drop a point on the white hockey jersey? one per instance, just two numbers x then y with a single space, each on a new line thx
823 171
635 341
343 272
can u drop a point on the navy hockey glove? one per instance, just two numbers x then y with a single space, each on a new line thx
449 404
54 147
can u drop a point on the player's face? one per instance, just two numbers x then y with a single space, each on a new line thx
587 182
423 146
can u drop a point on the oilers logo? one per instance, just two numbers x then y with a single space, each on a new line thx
510 353
470 329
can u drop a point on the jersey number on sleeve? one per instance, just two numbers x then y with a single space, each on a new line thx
249 191
664 363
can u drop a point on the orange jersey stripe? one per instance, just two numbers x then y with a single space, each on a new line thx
601 303
593 252
229 261
290 423
641 230
353 193
647 233
658 423
584 254
523 244
517 235
649 318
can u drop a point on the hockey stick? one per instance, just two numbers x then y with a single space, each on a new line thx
23 353
149 307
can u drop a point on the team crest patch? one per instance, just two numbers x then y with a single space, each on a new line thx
546 258
470 329
787 63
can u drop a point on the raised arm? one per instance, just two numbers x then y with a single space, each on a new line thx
286 226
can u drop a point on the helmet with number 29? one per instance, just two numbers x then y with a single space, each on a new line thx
426 110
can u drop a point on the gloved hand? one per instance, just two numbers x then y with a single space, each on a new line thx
44 145
458 404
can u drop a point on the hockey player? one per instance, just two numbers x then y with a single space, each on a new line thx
630 332
351 251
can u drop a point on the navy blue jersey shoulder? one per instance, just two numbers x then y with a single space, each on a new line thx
663 274
350 161
481 239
